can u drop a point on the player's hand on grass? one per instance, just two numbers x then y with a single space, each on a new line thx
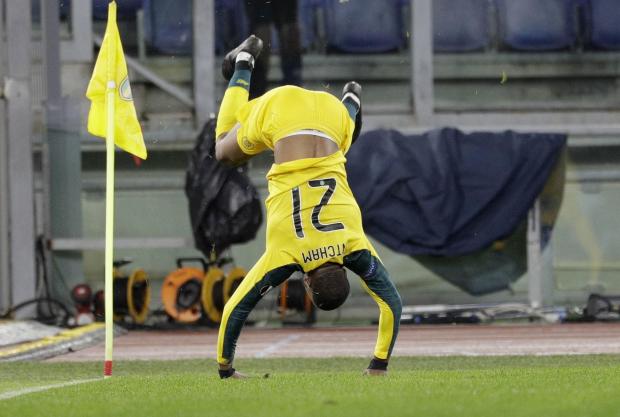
377 367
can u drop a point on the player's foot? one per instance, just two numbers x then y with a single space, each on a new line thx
352 99
252 45
352 87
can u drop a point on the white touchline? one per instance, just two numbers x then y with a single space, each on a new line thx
24 391
277 345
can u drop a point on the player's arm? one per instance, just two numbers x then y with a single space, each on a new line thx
258 281
376 281
378 285
227 148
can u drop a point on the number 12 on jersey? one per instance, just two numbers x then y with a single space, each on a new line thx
330 183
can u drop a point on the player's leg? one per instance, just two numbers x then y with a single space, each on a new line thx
259 280
237 68
377 283
352 100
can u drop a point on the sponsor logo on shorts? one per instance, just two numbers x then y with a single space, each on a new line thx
325 252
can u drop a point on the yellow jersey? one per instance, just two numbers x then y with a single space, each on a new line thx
312 216
289 109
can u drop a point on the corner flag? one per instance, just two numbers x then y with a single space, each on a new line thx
111 71
112 116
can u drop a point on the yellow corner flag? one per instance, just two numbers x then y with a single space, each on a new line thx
111 71
112 116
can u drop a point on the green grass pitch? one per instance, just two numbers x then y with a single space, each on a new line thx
562 386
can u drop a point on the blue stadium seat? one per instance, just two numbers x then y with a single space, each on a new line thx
363 26
125 9
537 25
460 25
603 21
168 26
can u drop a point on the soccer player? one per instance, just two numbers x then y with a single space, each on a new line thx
314 224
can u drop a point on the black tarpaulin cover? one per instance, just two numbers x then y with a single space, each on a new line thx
445 192
224 206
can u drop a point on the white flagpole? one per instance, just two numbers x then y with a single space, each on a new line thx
109 201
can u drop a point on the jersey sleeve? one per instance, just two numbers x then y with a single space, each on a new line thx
377 283
250 136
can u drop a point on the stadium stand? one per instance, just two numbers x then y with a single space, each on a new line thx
602 19
460 25
381 21
533 25
165 35
466 59
231 25
126 9
168 26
